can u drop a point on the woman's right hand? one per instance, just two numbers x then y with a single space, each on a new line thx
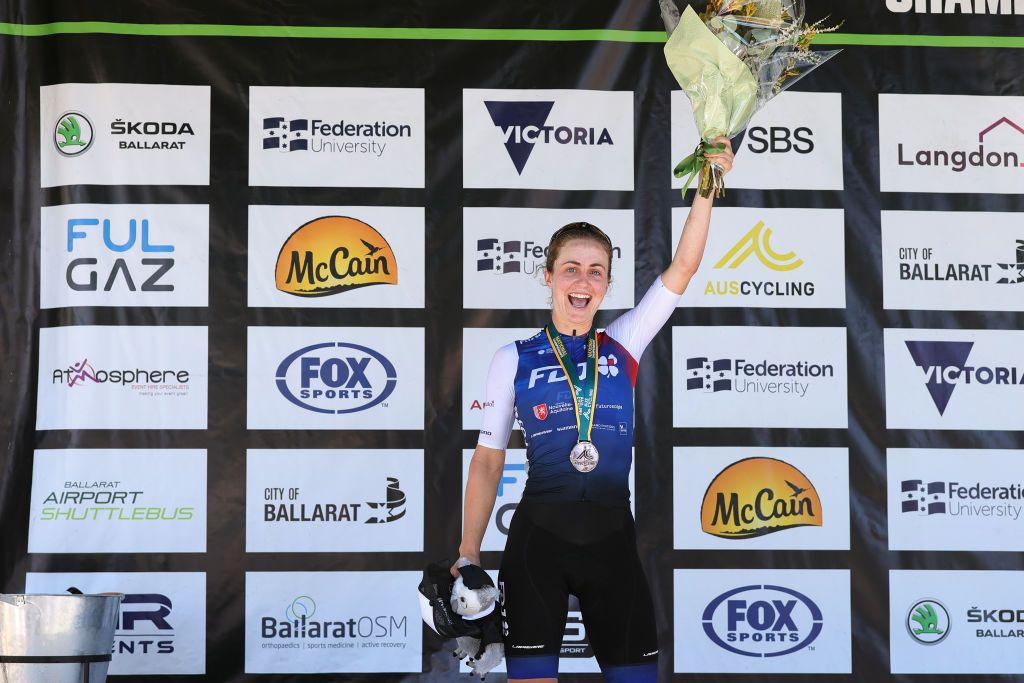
474 558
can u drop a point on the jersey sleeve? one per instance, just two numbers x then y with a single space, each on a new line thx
635 328
499 407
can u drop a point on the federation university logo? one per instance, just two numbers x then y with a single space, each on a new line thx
707 375
524 125
284 135
923 498
73 134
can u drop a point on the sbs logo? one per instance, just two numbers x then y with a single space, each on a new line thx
758 496
928 622
762 621
73 134
334 254
335 378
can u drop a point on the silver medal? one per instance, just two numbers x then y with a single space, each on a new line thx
584 456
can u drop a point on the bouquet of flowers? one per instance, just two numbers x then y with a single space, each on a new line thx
730 60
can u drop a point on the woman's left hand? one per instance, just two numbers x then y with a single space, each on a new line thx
724 158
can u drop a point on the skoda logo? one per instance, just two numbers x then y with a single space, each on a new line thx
73 134
336 378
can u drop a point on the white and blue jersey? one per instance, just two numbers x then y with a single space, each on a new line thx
525 384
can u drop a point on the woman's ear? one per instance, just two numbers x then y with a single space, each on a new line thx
547 277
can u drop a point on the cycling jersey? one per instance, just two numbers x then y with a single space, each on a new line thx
525 384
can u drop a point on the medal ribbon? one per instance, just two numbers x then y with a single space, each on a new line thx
584 392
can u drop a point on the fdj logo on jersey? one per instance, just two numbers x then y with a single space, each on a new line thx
142 273
762 621
336 378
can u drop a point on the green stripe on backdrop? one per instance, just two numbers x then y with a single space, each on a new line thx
516 34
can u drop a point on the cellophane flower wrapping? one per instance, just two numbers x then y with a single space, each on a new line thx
730 61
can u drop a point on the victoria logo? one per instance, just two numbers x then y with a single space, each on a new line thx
73 134
335 378
524 125
944 364
334 254
759 496
959 160
762 621
928 622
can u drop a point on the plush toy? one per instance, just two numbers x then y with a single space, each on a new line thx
464 609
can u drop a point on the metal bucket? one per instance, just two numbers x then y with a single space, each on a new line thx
57 638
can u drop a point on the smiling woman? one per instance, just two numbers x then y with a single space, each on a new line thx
570 388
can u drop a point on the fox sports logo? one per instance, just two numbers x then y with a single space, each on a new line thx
336 378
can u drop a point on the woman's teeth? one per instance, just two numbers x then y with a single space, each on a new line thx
579 300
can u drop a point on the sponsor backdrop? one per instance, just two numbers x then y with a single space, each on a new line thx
253 273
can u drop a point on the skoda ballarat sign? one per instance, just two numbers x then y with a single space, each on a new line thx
762 621
124 134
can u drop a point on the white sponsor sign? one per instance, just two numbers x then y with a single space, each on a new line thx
730 499
769 258
510 491
313 501
336 137
953 260
479 345
762 621
336 256
951 143
956 622
122 377
954 379
332 622
124 255
161 628
124 134
118 501
759 377
335 378
794 143
504 251
955 499
548 139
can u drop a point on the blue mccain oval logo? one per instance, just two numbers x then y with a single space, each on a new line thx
335 378
762 621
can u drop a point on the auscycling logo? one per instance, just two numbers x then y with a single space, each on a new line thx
959 160
756 242
753 377
525 124
332 137
945 367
